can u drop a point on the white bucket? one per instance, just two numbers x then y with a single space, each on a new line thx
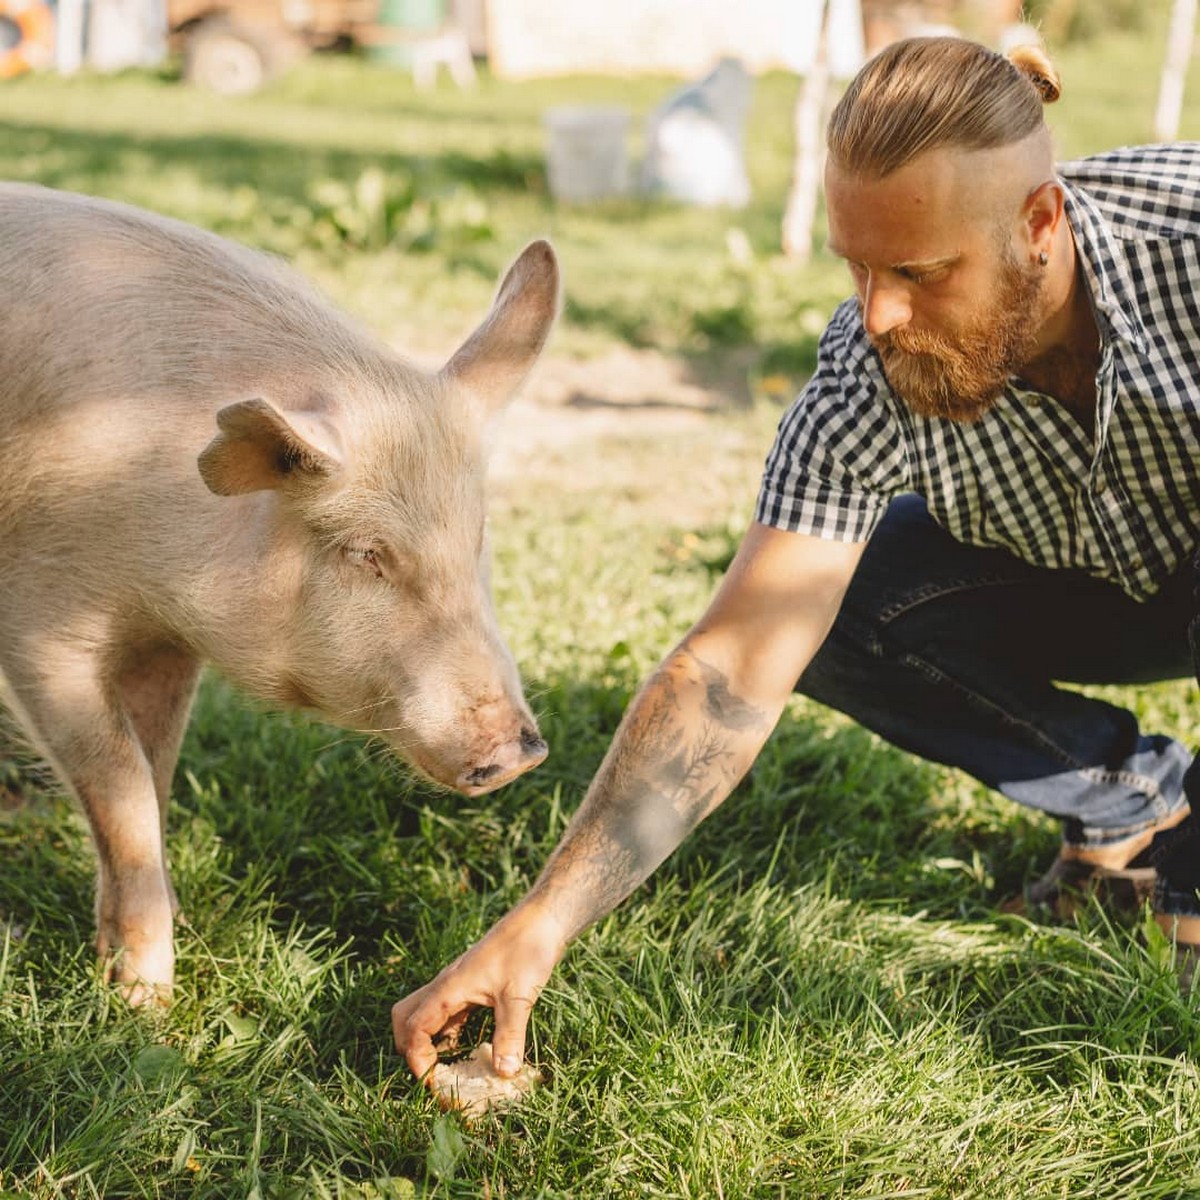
587 158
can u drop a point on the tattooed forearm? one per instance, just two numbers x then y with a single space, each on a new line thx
730 710
684 743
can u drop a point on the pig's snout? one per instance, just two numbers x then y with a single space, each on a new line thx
506 762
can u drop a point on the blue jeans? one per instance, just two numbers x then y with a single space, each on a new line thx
955 653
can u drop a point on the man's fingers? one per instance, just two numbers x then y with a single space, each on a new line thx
508 1038
418 1050
416 1020
417 1047
420 1018
447 1037
504 972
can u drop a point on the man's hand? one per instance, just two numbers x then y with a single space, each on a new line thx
505 972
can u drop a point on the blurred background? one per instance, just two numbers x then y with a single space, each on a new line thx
401 151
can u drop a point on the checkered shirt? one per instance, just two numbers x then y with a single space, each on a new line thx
1123 505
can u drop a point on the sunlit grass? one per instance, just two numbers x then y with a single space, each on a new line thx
815 997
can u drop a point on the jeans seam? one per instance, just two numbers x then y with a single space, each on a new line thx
1148 786
914 599
1141 783
1038 738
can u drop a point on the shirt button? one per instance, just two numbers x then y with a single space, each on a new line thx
1099 487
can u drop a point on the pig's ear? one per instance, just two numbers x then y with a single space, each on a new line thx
259 448
492 363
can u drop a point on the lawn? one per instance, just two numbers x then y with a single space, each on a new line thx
815 997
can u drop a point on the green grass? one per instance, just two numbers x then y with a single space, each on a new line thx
815 997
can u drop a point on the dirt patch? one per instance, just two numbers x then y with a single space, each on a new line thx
643 428
625 394
644 380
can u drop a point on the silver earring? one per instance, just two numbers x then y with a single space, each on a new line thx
1043 258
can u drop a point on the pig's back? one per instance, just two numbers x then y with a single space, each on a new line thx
100 302
121 335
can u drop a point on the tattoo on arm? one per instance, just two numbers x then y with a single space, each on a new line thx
681 749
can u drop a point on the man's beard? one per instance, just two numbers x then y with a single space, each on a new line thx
961 377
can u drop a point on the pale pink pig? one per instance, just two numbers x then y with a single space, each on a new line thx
202 461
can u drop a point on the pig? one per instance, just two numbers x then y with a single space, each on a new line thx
203 462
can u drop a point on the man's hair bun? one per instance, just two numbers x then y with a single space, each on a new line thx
921 93
1034 63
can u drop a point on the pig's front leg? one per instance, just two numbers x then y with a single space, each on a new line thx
156 690
112 730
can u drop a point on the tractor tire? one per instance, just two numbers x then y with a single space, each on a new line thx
229 59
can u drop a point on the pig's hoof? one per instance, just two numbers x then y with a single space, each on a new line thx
145 985
147 996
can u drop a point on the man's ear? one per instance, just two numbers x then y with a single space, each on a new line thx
1042 213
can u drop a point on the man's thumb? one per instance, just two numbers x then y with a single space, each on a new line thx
508 1040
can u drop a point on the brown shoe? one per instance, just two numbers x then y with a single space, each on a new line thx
1119 874
1184 932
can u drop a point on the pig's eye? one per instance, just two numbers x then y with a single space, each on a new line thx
364 556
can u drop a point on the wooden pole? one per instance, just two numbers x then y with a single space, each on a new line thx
68 36
1181 39
801 211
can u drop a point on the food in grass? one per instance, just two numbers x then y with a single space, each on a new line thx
471 1086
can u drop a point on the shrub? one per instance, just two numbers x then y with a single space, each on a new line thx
1064 21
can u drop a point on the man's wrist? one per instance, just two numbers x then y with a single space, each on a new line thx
534 921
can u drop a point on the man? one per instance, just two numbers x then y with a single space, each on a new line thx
991 482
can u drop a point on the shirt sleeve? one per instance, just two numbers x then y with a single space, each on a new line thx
839 454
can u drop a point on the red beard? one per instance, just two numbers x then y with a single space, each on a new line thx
960 377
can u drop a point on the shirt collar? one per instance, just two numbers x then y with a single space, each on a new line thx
1114 299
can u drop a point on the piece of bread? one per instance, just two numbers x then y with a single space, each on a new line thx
470 1085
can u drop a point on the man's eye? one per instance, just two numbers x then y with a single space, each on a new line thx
933 276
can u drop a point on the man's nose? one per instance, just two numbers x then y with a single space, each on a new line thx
885 307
